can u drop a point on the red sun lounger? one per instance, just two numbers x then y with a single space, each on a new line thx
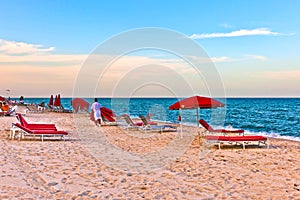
42 133
224 131
35 126
236 139
148 121
161 128
130 123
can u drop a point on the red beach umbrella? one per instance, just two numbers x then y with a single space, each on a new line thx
51 101
79 103
59 102
56 103
196 102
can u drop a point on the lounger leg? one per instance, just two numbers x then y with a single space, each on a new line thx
243 145
20 135
13 132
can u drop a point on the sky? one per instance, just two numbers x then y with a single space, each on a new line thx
253 44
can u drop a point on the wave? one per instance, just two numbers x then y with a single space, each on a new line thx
263 133
274 135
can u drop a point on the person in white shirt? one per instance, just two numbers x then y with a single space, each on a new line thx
96 107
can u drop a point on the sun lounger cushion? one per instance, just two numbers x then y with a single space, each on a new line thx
41 132
236 138
24 123
142 124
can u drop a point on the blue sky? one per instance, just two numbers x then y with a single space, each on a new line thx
257 42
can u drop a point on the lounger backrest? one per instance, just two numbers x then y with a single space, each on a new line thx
144 120
18 118
205 125
23 128
22 120
128 120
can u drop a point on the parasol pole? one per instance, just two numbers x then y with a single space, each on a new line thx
180 113
197 114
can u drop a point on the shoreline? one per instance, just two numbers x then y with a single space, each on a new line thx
55 169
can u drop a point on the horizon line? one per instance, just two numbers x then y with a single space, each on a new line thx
161 97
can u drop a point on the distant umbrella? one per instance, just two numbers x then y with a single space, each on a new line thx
79 103
51 101
57 101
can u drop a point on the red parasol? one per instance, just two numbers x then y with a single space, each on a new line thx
79 103
51 101
57 100
196 102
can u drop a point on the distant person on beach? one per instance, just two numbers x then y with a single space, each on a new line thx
21 100
96 109
41 106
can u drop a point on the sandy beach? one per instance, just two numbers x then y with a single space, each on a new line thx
56 169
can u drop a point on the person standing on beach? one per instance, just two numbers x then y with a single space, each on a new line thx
96 108
22 100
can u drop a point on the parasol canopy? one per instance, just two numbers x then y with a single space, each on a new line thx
195 102
80 104
51 101
57 101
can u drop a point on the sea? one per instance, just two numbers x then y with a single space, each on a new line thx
274 117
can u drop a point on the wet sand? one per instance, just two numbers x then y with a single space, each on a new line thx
56 169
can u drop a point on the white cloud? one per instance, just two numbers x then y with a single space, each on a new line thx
257 57
221 59
226 25
43 58
13 47
239 33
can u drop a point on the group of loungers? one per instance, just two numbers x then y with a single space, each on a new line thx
147 125
210 135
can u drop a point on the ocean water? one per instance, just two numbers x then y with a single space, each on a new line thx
277 117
